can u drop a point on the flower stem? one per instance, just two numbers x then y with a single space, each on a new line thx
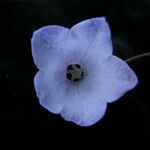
137 57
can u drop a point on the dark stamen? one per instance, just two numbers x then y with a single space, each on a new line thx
74 72
69 76
82 74
69 67
76 79
78 66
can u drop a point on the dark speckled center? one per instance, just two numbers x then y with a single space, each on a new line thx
74 72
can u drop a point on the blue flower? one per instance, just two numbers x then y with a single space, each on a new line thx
78 75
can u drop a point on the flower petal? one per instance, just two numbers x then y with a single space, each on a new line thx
49 86
44 43
94 34
84 113
117 78
83 104
85 37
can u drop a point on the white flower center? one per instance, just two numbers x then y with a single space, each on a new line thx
74 72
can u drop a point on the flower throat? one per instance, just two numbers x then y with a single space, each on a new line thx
74 72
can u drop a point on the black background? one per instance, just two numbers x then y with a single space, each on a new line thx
20 113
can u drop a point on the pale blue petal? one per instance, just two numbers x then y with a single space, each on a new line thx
94 35
50 86
82 102
45 42
85 111
116 79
